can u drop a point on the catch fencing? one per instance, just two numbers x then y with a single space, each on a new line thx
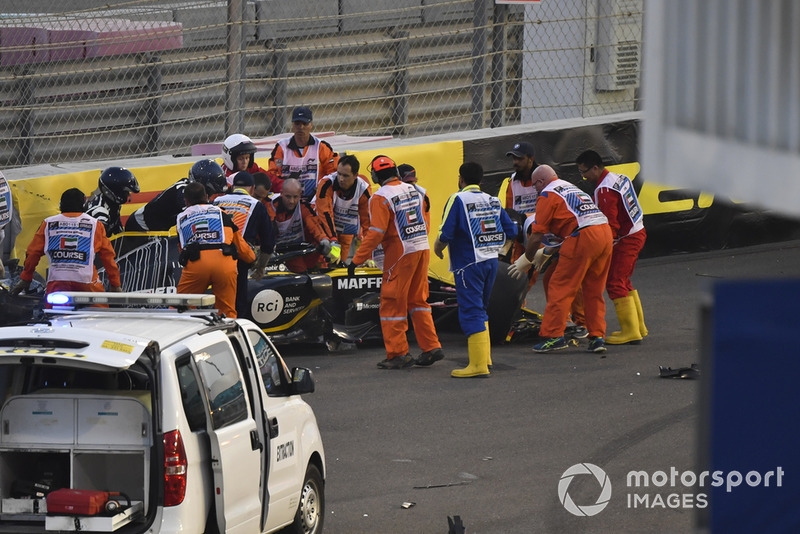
96 81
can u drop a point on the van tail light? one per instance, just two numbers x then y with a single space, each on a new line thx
174 469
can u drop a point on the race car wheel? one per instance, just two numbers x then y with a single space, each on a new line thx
505 303
311 510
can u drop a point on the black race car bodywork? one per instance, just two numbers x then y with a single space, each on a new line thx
324 306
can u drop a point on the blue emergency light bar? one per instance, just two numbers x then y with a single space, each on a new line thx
89 298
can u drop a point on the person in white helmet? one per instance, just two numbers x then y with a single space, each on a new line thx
238 154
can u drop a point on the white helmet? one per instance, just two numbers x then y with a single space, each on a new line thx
234 146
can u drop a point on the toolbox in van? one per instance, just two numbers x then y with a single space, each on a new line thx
77 502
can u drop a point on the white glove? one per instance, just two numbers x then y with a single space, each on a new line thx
519 268
539 258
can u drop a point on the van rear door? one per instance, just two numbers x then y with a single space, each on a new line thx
230 425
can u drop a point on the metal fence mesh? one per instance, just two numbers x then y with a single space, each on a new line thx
88 80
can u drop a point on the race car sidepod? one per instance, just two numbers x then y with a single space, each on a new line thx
312 307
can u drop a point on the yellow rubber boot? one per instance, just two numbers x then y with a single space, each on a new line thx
478 346
489 363
628 320
639 312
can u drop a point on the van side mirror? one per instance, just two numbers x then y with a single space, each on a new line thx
302 381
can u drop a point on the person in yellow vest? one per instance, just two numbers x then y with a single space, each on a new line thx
520 194
71 241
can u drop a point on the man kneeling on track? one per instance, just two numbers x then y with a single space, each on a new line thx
297 222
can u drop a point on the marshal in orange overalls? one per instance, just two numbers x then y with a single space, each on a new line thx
405 278
218 270
584 259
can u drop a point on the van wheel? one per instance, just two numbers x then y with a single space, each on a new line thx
311 510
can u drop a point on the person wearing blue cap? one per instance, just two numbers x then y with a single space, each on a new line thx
302 156
520 193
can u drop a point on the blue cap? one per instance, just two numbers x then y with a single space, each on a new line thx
521 149
243 178
302 113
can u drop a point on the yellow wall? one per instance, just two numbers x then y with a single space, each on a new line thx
37 198
436 164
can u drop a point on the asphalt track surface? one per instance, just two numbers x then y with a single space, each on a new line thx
493 450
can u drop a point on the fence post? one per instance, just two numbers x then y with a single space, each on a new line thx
479 22
27 92
152 107
280 88
499 45
234 110
402 49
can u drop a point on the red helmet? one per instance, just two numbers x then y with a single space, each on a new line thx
382 169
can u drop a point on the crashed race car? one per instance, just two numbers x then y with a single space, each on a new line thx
325 306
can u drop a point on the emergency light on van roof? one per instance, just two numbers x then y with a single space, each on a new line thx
89 298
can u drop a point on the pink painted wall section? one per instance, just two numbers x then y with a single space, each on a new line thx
22 45
83 38
66 43
118 36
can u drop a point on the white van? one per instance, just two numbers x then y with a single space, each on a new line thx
192 423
